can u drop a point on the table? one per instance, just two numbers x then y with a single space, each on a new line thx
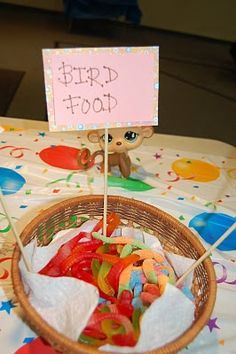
208 193
200 145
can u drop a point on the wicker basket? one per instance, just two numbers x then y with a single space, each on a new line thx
173 235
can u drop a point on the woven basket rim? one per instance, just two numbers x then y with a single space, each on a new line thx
53 336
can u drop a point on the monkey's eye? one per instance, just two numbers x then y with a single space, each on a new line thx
130 136
110 138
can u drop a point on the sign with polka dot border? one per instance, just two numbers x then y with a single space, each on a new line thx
92 88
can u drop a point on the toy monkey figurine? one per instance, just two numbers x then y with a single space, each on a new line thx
120 141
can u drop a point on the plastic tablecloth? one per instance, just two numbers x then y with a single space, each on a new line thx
197 189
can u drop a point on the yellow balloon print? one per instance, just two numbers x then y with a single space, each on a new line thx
195 170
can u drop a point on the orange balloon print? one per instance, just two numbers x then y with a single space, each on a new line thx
196 170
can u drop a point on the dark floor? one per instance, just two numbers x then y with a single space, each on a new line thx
197 76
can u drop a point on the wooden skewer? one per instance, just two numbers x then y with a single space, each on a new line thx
15 233
207 253
105 183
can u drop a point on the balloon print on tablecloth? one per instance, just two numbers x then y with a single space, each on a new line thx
211 226
68 158
10 181
195 170
131 184
135 182
37 345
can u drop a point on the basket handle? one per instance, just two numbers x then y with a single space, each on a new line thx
206 254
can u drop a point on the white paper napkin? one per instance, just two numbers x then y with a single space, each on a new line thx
65 303
166 319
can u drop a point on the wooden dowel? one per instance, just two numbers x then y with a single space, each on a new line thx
105 183
206 254
15 233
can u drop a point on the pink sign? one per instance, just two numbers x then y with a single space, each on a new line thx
90 88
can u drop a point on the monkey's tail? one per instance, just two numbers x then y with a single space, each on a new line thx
86 160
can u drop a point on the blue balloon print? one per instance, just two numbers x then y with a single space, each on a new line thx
10 181
211 226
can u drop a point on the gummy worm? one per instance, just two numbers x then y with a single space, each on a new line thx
149 254
121 240
149 271
126 251
125 279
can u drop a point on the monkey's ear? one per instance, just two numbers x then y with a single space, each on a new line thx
147 132
93 136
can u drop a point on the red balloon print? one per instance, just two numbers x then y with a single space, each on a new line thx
37 346
68 158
